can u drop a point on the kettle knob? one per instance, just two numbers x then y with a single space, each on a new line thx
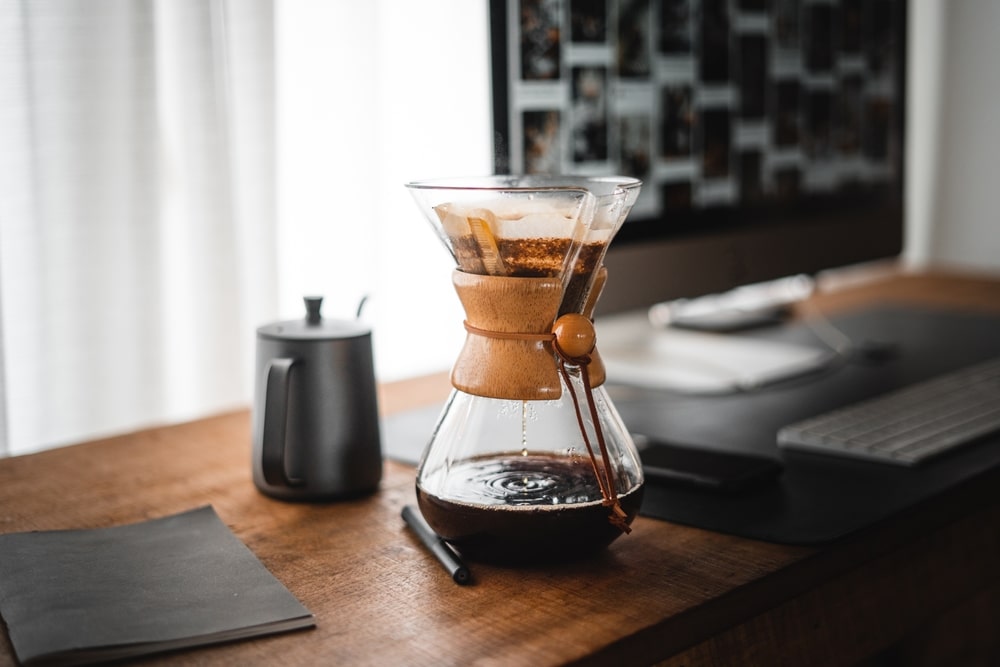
313 304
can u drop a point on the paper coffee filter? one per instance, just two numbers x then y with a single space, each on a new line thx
527 226
453 223
599 235
535 225
513 219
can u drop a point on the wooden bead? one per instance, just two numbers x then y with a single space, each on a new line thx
575 335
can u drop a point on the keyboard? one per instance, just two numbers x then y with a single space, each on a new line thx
908 425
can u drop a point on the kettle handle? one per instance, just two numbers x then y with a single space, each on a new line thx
275 420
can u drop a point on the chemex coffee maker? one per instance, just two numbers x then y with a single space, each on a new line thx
529 460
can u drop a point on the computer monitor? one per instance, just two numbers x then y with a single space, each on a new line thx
768 133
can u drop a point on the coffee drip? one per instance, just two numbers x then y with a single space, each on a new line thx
529 459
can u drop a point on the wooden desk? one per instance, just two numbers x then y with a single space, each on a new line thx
664 593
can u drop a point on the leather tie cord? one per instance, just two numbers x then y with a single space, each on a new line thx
605 481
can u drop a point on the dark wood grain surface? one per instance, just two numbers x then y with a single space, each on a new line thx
664 590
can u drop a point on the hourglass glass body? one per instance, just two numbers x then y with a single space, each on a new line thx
529 460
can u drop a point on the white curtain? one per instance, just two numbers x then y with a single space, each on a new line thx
174 173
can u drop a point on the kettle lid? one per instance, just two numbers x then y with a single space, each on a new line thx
314 326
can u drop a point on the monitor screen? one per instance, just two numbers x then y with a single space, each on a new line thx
768 133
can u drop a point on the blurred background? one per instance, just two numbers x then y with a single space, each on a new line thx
176 173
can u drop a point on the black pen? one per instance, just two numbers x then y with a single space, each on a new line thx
444 553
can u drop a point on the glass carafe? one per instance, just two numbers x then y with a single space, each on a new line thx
529 460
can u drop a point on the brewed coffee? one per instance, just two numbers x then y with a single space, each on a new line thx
522 507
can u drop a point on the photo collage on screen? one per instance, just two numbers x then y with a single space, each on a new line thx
709 102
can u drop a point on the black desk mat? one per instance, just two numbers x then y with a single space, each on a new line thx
818 498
